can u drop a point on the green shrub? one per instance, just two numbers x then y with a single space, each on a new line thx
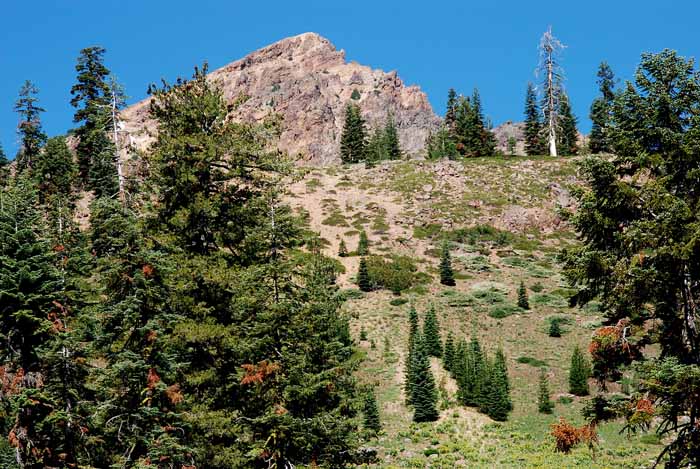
566 400
537 287
398 301
500 312
396 274
351 294
532 361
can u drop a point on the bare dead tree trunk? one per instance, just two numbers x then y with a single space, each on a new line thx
553 75
115 128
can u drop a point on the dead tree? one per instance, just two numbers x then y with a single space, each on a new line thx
552 77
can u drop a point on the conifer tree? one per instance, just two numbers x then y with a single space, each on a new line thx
363 280
372 419
554 328
363 244
91 97
391 138
579 373
471 375
46 396
4 168
137 389
413 337
446 273
568 134
441 144
494 401
423 390
533 123
353 138
501 367
260 325
342 249
376 147
449 355
544 403
451 113
431 334
54 169
523 301
32 137
601 109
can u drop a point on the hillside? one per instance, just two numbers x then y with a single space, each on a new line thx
406 208
308 82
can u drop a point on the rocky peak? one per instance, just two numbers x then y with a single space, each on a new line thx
307 81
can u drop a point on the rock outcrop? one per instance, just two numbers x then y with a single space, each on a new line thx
308 83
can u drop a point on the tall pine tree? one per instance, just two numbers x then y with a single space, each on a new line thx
353 139
533 123
32 136
568 134
431 334
601 109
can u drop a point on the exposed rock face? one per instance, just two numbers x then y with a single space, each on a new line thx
507 130
308 82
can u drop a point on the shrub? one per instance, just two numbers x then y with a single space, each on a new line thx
531 361
500 312
398 301
396 274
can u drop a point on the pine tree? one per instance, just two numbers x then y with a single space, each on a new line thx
446 273
363 244
91 98
372 420
4 168
568 134
424 392
544 403
449 355
137 388
533 123
470 373
494 398
523 301
376 148
413 337
54 169
451 113
431 334
391 139
441 144
554 328
353 139
37 325
501 367
342 249
363 280
579 373
601 109
29 128
226 231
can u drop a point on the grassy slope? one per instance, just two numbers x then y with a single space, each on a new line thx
403 206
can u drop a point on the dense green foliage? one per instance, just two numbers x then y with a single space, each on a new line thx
353 141
431 334
32 136
423 389
579 373
534 144
598 140
523 301
363 244
363 280
371 413
638 220
567 136
447 276
544 403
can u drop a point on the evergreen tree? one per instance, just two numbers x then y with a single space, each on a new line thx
523 301
579 373
471 373
600 110
533 123
371 413
4 168
363 244
353 139
449 355
554 328
391 139
501 367
424 392
568 134
266 350
54 169
495 401
45 399
376 147
451 113
342 249
363 280
138 393
544 403
91 97
413 337
446 274
29 128
441 144
431 334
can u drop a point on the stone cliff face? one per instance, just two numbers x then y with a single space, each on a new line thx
308 82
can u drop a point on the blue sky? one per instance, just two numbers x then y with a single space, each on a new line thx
437 44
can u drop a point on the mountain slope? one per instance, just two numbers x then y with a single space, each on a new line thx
308 83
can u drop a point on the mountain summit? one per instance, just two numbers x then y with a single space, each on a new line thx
308 82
